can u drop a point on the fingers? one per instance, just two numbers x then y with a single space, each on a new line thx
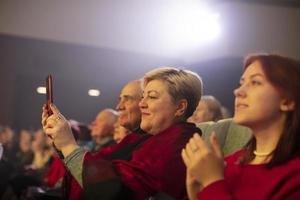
200 142
54 109
50 132
44 115
185 157
215 145
188 149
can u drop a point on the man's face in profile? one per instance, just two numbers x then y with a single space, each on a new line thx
128 106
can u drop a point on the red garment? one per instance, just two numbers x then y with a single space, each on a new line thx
73 190
55 172
155 166
255 182
58 171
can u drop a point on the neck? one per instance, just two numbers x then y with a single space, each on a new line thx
267 136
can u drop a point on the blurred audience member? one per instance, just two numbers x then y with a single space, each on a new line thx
120 132
43 151
83 132
226 113
9 143
102 129
25 154
208 109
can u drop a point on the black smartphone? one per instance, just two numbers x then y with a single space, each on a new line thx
49 91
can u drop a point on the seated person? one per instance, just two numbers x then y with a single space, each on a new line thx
25 155
208 109
42 151
120 132
102 130
267 101
170 97
130 118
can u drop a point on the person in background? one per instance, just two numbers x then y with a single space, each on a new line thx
42 150
268 102
102 129
120 132
25 154
208 109
226 113
170 97
6 167
85 134
9 143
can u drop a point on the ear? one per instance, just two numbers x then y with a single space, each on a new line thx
287 105
181 107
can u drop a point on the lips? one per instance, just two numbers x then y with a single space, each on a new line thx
145 114
241 106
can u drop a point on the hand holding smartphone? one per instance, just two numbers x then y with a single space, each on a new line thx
49 89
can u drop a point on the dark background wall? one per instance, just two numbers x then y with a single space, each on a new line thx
26 62
103 44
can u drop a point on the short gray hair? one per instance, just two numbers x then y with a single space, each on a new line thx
182 84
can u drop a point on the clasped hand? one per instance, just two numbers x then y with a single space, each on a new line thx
204 165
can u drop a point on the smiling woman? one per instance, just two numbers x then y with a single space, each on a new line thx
165 96
152 163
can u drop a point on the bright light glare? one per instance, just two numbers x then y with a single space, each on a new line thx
191 24
94 92
41 90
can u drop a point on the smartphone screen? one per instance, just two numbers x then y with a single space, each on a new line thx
49 89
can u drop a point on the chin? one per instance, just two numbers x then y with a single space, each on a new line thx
242 121
145 127
238 119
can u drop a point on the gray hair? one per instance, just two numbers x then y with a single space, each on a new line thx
214 106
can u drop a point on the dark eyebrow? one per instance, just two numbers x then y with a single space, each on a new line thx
257 74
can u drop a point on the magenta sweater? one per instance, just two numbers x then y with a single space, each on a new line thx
255 182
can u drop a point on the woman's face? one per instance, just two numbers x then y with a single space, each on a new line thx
257 102
158 109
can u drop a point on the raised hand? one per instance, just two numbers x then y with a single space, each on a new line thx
58 129
204 164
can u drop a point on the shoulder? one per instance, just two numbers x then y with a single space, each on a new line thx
233 158
132 137
184 128
177 135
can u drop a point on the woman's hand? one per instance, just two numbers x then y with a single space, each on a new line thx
203 164
58 129
192 186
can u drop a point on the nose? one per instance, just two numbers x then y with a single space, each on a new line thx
240 91
142 103
120 105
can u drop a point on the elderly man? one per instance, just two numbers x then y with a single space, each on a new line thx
102 129
130 118
128 106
